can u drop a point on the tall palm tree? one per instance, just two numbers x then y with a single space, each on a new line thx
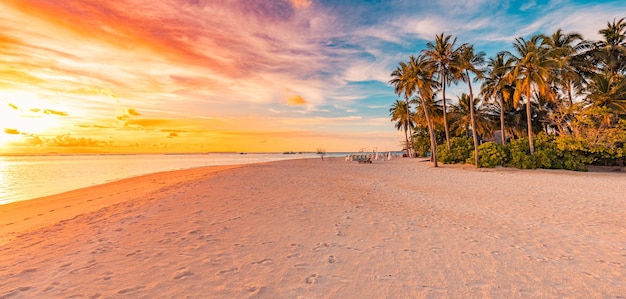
533 67
403 117
565 48
443 54
496 88
404 86
467 62
424 84
610 53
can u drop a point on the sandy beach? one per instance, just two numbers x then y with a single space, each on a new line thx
323 229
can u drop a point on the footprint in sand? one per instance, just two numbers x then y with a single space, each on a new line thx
264 262
254 290
301 266
183 274
294 255
227 271
129 290
311 279
332 259
384 277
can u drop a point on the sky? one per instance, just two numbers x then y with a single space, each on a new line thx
139 76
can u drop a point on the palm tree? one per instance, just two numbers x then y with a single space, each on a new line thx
531 74
443 55
495 86
468 61
424 84
402 82
606 90
403 117
435 112
461 116
610 53
568 71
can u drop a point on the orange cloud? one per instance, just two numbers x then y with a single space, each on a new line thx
296 100
55 112
132 111
172 135
69 141
129 112
46 111
11 131
151 122
300 3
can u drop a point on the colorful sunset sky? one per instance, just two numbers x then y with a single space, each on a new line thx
138 76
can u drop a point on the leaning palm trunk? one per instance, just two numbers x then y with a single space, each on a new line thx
473 120
433 142
431 133
406 139
502 132
445 114
529 122
409 145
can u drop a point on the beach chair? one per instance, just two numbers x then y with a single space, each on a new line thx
363 159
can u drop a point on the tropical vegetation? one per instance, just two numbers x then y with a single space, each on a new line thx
553 101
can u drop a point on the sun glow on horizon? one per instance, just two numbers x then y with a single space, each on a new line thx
24 114
88 76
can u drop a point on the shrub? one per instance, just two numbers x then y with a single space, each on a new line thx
547 155
520 154
461 149
576 155
491 155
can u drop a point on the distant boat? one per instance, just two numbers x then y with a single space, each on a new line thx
289 153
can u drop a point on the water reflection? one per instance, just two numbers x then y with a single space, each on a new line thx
27 177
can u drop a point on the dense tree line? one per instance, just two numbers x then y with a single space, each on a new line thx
554 97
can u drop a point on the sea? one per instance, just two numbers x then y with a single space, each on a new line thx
29 177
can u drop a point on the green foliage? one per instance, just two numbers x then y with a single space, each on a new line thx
547 154
461 149
575 152
551 153
520 154
492 154
421 141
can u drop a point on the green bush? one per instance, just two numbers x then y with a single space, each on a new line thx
520 154
547 155
491 155
461 148
552 153
575 153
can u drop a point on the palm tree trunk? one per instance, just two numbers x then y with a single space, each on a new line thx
406 139
445 108
473 121
502 133
531 145
431 133
409 147
433 142
569 94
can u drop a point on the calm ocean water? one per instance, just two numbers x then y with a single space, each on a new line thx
28 177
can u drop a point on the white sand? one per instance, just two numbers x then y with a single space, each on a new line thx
323 229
